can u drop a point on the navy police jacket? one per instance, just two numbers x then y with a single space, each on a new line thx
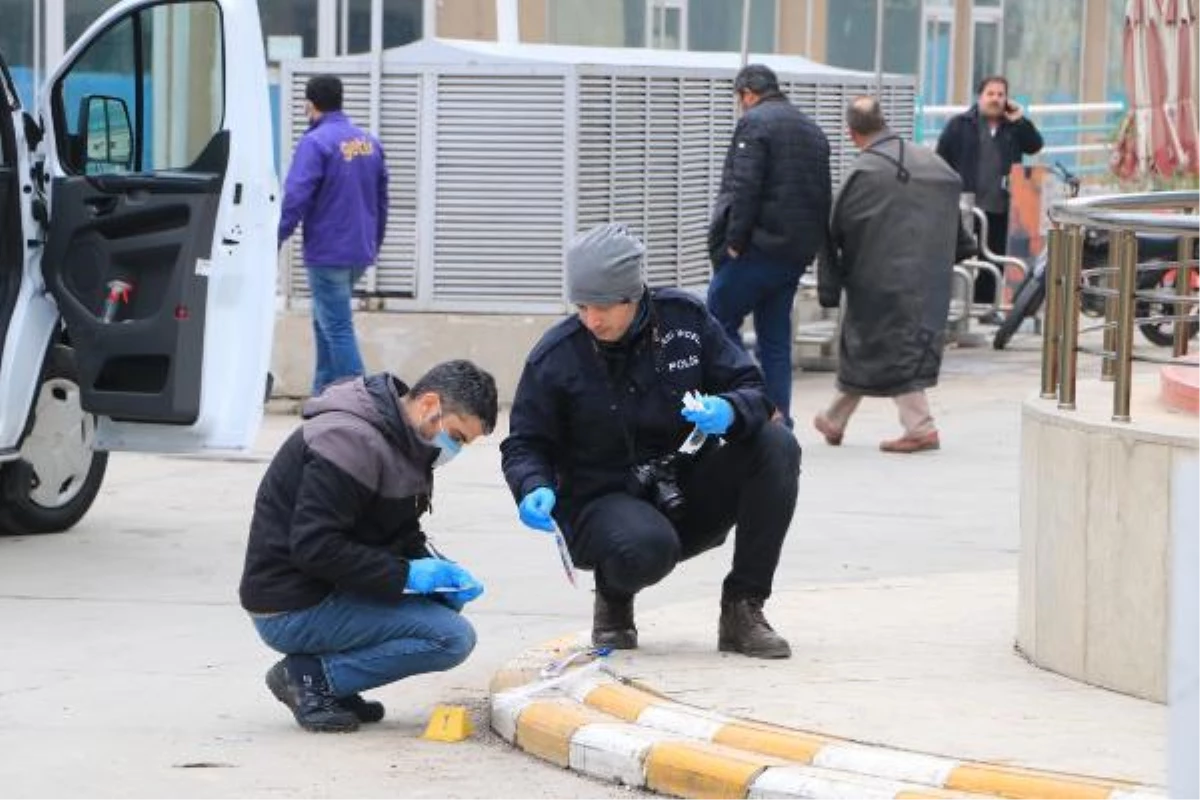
584 415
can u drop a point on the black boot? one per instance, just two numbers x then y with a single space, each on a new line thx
612 623
299 683
745 630
365 710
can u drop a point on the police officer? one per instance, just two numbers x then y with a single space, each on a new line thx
595 429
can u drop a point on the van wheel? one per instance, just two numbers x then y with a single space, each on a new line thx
58 475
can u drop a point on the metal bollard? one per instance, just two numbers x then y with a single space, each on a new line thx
1052 333
1108 365
1068 351
1182 315
1122 388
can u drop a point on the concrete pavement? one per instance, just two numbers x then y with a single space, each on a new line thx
921 668
895 686
130 670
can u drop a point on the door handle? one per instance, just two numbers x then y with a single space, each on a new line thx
101 205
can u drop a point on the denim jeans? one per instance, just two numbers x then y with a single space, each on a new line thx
363 644
748 285
333 324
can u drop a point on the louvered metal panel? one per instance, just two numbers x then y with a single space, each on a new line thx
650 156
399 133
494 165
498 224
395 272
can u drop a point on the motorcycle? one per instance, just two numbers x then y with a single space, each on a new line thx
1159 251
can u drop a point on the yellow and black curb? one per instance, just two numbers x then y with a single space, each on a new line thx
594 722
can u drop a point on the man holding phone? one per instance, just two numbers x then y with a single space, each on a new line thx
982 144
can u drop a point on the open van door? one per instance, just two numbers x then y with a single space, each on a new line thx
161 245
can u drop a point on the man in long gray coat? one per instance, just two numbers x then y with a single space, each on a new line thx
893 232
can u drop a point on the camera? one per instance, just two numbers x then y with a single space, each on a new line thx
657 480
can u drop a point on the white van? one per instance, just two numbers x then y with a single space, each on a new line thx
138 214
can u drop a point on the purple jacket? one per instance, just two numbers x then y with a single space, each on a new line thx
337 186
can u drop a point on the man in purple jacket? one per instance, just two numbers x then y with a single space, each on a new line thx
337 186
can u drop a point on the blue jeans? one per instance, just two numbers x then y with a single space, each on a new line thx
333 324
747 285
363 644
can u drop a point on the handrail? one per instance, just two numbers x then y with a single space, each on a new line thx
1125 216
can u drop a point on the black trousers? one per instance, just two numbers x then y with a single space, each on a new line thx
997 242
749 484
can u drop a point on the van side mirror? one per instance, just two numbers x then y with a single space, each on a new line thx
106 135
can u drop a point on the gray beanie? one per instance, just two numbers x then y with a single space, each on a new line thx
604 266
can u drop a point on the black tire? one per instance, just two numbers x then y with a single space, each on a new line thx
1093 305
1161 334
1029 298
24 506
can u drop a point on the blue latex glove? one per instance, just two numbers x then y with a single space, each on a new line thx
427 575
535 509
457 600
714 419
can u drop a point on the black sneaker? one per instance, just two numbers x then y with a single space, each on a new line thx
302 688
365 710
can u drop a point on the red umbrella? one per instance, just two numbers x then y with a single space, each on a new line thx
1145 144
1180 18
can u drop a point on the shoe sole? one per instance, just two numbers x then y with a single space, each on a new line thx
905 451
729 647
616 644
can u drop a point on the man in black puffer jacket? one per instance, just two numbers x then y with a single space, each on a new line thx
769 222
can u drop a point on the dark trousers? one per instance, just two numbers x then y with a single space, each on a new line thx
750 484
997 242
750 285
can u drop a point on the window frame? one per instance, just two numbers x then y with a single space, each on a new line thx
59 111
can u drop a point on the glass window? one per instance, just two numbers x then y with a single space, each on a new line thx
851 35
79 14
986 51
146 96
401 24
1115 79
16 44
717 25
938 62
1042 53
289 28
666 26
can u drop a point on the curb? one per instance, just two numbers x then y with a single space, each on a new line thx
594 722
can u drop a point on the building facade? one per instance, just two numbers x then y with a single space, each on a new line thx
1053 51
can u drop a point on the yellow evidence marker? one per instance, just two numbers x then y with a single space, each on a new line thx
448 724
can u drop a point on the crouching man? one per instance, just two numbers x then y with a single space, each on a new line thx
339 576
596 425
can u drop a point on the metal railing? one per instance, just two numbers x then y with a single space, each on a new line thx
1172 214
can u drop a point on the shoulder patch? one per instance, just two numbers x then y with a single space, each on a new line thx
559 333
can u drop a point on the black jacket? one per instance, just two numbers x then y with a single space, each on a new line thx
775 191
582 417
340 505
958 144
